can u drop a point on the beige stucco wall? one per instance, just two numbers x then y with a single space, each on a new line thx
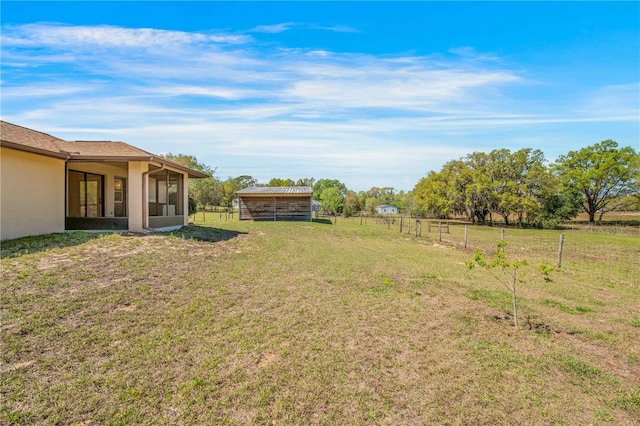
134 195
32 200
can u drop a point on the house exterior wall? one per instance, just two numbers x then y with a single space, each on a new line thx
387 210
32 196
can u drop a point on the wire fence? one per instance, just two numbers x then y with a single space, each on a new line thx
588 256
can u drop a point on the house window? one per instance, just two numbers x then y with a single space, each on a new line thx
165 194
85 194
119 197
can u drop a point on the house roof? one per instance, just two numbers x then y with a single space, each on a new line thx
277 190
18 137
24 139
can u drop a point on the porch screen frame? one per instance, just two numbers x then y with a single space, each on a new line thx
164 188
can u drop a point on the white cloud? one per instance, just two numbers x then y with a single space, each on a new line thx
38 35
44 90
279 112
273 29
613 100
221 92
287 26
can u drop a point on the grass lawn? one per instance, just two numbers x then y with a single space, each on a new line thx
309 323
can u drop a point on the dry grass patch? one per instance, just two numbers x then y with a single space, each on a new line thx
255 323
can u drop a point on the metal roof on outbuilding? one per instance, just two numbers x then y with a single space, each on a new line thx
276 190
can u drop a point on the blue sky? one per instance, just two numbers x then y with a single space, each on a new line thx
370 93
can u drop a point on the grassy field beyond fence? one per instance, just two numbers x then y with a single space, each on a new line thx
228 322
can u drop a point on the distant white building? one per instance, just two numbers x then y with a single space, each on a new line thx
387 209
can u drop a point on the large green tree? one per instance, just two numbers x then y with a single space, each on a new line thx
280 182
479 184
323 184
430 194
305 182
231 185
604 173
331 200
519 180
352 204
206 191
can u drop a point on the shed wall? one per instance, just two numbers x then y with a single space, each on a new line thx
275 208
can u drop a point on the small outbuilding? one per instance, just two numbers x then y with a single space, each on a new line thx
275 203
387 209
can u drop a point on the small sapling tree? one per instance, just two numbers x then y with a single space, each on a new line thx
512 273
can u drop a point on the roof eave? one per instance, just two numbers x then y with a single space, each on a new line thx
193 174
34 150
106 158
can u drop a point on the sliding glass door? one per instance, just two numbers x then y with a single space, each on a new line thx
85 194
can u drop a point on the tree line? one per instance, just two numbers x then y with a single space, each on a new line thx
520 186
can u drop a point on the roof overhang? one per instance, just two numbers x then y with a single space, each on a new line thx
25 148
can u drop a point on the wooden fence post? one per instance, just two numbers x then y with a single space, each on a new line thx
502 234
560 250
439 231
401 224
428 226
466 228
409 226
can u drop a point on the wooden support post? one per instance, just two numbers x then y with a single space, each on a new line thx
560 250
401 224
466 230
417 226
439 231
502 234
409 226
360 218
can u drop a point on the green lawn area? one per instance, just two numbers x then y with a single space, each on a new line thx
229 322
